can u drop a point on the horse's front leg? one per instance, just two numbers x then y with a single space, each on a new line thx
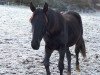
48 53
68 55
61 60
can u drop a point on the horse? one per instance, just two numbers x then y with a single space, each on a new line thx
59 31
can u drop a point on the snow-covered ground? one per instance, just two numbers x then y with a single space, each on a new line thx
18 58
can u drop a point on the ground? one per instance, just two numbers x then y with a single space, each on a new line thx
18 58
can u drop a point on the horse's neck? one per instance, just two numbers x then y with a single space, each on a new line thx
54 24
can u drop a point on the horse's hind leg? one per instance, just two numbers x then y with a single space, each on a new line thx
77 50
61 60
68 55
80 47
48 53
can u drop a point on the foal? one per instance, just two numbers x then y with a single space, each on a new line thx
59 31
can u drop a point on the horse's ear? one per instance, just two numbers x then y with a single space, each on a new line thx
32 7
45 8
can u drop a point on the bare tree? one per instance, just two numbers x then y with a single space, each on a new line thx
94 3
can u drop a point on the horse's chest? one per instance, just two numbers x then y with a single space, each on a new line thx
53 43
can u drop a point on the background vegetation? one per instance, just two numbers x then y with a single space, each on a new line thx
60 4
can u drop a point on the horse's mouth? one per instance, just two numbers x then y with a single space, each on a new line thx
35 46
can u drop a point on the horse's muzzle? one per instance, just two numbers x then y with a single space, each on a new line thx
35 46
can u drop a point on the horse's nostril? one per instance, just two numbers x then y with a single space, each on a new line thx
35 46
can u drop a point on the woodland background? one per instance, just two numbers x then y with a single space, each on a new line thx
59 4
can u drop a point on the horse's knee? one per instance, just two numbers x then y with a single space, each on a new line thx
68 55
46 63
61 66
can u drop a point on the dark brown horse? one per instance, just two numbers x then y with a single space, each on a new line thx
60 31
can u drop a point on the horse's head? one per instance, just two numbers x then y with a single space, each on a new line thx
39 22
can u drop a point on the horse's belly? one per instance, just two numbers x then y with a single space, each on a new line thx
71 43
72 40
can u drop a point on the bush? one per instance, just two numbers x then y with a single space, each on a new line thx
60 5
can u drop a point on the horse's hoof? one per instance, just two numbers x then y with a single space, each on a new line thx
68 73
78 73
77 68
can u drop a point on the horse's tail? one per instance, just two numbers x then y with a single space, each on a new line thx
81 46
80 43
75 14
